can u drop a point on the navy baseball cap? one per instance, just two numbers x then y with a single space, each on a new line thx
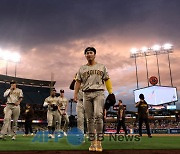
53 89
61 91
13 82
141 96
90 49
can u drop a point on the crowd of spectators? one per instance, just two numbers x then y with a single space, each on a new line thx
40 113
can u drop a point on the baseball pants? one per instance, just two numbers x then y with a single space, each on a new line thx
14 111
66 121
80 115
93 105
52 117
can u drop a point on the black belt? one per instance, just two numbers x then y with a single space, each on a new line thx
93 90
11 103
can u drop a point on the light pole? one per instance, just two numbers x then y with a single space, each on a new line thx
155 50
136 73
170 70
158 68
10 57
133 55
147 74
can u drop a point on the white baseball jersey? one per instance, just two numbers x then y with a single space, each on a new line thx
92 77
13 96
62 103
50 100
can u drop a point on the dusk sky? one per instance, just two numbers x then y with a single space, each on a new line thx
51 36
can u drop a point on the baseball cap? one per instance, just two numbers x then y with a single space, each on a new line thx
53 89
141 96
13 82
61 91
90 49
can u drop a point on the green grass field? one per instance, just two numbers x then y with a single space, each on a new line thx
25 143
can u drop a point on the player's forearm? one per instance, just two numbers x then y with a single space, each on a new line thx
137 104
77 87
7 92
19 101
45 104
109 86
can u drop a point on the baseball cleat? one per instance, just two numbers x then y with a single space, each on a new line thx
2 137
65 134
99 146
25 135
52 136
92 146
14 137
32 134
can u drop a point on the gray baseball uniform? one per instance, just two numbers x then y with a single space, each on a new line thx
80 111
13 110
62 103
52 115
9 127
92 82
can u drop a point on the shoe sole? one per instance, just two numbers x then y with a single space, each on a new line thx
92 149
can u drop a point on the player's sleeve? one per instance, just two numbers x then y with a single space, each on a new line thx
45 103
105 74
108 84
6 93
21 94
137 104
78 76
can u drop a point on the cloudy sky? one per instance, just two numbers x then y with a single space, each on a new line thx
51 36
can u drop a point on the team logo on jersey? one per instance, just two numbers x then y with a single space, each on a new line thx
92 72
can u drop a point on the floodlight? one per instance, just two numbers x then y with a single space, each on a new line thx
144 49
15 57
134 50
1 53
167 46
156 47
6 55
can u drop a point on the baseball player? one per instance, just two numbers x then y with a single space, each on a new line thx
121 118
62 107
14 97
143 115
79 107
52 112
91 77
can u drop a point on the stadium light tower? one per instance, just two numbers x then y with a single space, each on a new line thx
145 50
168 47
154 50
16 58
10 57
133 52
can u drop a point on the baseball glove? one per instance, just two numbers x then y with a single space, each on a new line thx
72 85
54 107
110 101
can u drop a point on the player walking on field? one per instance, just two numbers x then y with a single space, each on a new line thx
52 112
79 107
14 97
62 107
91 78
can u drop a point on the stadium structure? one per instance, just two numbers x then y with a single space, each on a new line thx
35 91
